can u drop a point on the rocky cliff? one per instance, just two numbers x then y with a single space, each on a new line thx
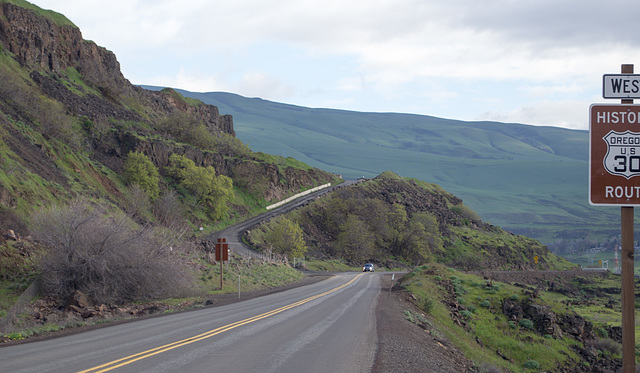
50 49
56 82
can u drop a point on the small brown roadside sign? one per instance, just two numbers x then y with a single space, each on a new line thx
614 155
222 250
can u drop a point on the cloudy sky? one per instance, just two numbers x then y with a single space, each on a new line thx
537 61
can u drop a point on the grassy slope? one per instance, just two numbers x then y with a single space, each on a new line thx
486 322
526 179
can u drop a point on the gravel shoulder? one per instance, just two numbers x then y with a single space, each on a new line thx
404 346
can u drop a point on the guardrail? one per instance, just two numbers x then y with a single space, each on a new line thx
297 196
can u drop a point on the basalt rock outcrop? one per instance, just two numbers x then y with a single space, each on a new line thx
50 49
86 79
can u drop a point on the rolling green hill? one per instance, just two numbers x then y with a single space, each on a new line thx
527 179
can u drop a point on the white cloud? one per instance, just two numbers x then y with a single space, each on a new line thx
522 60
548 113
260 84
190 81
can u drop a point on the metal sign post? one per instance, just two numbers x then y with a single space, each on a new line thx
628 258
614 179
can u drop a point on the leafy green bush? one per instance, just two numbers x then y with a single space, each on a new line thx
459 289
286 237
485 303
416 318
466 313
465 212
602 332
185 128
409 316
427 305
211 190
531 365
526 323
139 170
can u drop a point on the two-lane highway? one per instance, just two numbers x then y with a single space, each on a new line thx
328 326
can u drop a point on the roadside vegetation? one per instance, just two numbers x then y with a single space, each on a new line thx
395 222
26 311
533 324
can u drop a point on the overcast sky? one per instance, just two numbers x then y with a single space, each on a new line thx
528 61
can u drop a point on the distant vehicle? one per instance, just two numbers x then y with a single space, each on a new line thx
368 268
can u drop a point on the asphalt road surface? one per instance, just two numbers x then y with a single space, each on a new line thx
329 326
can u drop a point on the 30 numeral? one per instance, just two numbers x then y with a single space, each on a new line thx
631 163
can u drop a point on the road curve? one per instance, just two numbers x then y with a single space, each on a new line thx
328 326
234 233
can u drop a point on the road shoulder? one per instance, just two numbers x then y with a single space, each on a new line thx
404 346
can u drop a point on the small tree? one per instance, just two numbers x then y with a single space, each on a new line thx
214 191
424 237
136 204
355 241
286 237
139 170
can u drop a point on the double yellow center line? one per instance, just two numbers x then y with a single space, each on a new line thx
158 350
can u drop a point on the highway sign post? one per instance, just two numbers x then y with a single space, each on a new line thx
222 255
614 179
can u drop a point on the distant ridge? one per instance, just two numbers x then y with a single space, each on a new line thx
527 179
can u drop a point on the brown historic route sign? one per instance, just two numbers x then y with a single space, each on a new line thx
614 155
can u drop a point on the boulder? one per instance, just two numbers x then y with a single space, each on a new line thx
577 326
79 299
512 309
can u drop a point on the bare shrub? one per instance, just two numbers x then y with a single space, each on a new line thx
105 255
608 344
136 203
169 212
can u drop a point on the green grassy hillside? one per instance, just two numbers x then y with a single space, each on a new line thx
527 179
521 322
